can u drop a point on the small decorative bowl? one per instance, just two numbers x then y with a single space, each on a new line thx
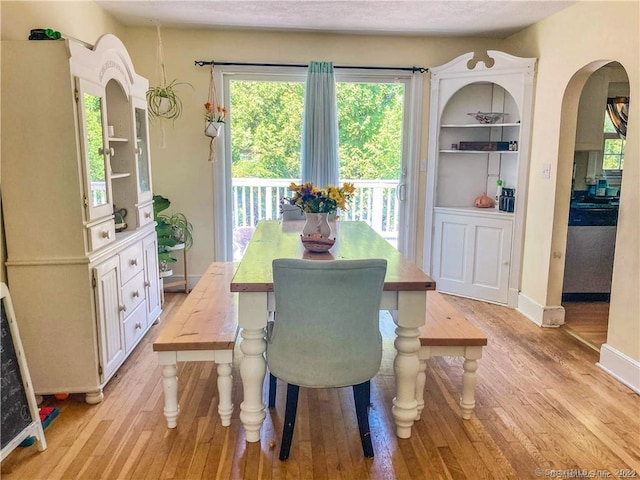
487 117
317 244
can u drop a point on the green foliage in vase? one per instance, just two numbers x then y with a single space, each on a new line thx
311 199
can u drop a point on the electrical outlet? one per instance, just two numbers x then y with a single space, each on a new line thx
546 170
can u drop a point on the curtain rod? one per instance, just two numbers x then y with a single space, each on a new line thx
202 63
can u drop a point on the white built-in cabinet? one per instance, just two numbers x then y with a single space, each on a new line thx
74 148
469 251
472 254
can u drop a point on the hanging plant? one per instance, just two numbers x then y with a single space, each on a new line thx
164 102
214 116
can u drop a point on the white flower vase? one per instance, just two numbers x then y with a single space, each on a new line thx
316 224
212 129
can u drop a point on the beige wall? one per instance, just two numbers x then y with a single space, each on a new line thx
570 45
83 20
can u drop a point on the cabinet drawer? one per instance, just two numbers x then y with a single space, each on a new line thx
131 262
101 234
133 293
145 214
134 326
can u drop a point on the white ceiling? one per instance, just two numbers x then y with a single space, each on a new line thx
489 18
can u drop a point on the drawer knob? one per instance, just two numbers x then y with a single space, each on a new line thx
147 214
122 308
147 283
138 326
134 262
136 294
106 234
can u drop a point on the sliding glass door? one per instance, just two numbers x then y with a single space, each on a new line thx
262 149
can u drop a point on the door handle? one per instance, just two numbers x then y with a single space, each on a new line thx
401 192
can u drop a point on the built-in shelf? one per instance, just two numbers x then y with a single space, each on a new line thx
478 151
494 212
469 251
478 125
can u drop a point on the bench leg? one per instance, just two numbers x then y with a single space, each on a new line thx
469 379
170 386
225 382
420 381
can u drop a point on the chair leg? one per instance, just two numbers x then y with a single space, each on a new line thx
273 384
289 420
361 397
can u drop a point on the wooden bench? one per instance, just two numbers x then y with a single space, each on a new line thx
448 333
204 329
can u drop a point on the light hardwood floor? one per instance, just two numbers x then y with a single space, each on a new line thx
587 321
542 403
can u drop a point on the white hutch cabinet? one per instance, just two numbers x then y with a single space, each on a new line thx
75 148
475 252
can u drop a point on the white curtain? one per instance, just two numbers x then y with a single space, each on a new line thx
319 150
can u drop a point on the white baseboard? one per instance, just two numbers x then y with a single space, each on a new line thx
551 316
620 366
512 300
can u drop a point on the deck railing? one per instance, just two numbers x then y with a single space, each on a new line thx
374 202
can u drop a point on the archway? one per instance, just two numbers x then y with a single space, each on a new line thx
587 197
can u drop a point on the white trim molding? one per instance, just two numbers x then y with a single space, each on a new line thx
620 366
543 316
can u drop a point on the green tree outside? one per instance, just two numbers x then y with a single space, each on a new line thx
93 114
266 123
613 156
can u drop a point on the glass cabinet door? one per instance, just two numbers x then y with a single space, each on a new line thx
142 154
95 154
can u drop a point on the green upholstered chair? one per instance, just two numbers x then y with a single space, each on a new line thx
326 332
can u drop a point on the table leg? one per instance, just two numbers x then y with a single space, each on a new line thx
170 386
225 382
406 367
252 370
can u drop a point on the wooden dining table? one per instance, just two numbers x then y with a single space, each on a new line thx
405 292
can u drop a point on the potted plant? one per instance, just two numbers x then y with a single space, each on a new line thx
164 102
174 232
214 117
